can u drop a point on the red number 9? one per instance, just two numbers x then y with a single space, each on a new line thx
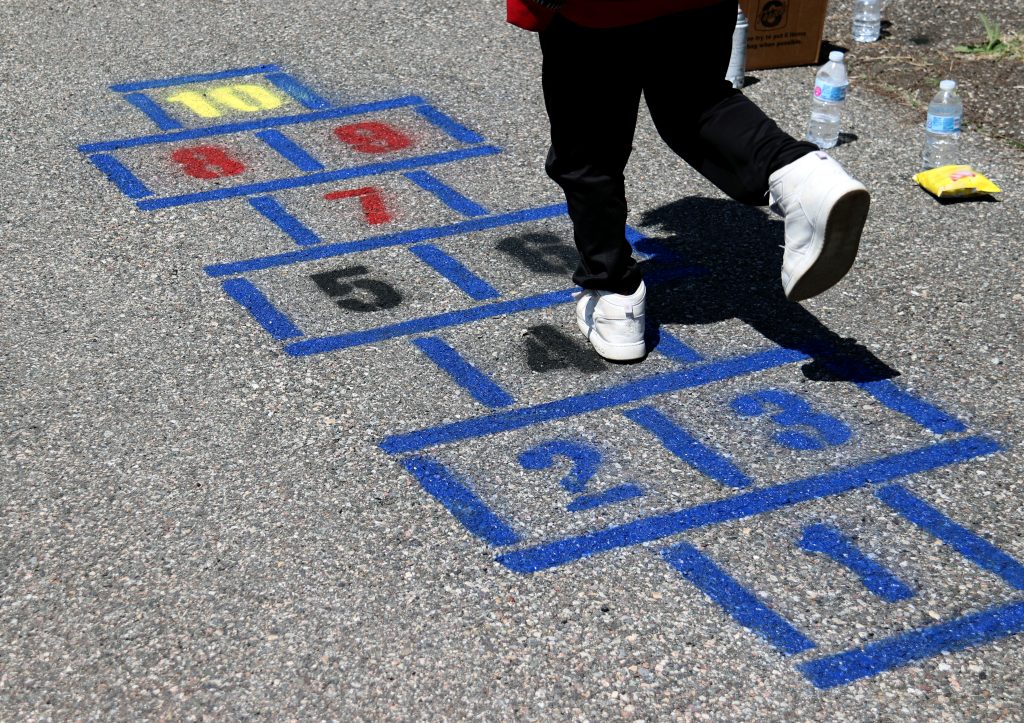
207 162
372 137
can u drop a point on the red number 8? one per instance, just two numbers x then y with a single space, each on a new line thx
372 137
207 162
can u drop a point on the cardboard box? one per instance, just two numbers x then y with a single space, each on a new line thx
783 33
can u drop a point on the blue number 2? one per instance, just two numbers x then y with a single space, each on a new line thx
585 461
823 429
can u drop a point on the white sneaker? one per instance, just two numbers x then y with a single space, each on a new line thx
825 211
613 323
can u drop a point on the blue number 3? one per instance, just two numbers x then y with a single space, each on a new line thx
793 411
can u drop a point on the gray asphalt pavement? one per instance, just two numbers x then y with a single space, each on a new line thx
296 423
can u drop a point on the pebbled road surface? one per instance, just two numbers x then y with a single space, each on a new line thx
197 522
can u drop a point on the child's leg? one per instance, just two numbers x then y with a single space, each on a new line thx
592 94
714 128
737 147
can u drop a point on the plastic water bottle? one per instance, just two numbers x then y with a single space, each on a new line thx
942 130
827 103
867 20
738 60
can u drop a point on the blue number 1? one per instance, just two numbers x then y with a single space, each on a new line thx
793 411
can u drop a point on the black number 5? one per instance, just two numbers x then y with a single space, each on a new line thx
334 284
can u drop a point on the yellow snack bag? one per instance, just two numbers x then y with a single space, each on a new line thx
955 181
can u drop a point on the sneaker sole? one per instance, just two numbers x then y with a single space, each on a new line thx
839 247
613 352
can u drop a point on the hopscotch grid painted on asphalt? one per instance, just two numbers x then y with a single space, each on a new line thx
214 127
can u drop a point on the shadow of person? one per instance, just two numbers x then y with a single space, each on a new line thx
740 247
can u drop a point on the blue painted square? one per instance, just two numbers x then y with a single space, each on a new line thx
875 580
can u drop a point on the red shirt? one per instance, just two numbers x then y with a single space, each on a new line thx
598 13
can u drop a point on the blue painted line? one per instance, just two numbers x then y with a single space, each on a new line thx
460 501
627 393
648 248
448 195
830 542
426 324
757 502
481 387
290 150
155 113
880 656
199 78
633 235
634 238
393 239
273 211
299 92
252 299
621 493
456 130
975 548
741 604
246 126
125 180
886 391
455 272
899 400
675 349
373 169
664 273
688 448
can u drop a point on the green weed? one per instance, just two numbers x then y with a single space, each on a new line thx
996 45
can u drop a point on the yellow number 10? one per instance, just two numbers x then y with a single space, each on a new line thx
240 96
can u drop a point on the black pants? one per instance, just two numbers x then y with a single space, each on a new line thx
592 84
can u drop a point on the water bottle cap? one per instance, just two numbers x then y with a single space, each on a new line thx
947 85
836 55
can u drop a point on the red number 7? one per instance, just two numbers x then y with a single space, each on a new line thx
369 198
